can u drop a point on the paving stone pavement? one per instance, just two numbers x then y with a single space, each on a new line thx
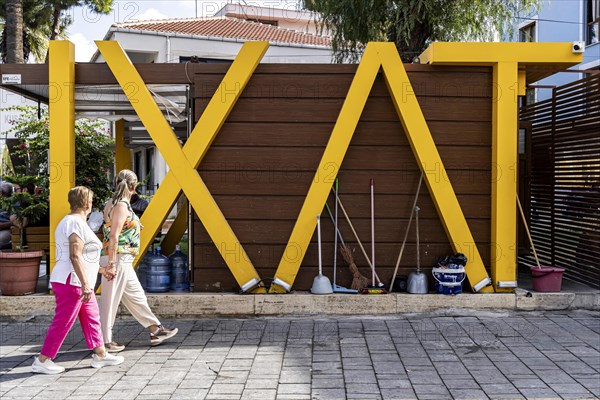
476 355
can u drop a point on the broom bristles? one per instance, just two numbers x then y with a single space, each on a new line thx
359 281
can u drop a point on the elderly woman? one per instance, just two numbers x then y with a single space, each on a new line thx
119 280
73 279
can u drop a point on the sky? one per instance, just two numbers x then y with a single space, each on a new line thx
88 26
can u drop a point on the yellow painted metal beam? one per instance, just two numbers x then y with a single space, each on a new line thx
183 163
486 53
505 126
176 231
122 153
384 55
506 60
61 75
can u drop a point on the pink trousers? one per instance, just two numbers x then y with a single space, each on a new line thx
68 307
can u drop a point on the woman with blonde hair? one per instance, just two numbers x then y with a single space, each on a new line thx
73 278
119 280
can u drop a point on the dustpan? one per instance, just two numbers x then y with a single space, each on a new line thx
417 281
321 283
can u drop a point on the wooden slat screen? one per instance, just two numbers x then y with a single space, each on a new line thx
565 180
262 162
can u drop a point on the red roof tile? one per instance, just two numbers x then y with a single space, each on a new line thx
228 28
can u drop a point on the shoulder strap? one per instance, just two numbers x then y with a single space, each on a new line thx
113 206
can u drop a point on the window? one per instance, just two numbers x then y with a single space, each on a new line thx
264 21
527 33
530 95
593 21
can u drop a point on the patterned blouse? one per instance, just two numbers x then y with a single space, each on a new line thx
129 239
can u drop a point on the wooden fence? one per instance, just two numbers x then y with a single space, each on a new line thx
262 162
564 180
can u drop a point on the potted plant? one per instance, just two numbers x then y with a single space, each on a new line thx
19 268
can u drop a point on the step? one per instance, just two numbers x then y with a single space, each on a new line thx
191 305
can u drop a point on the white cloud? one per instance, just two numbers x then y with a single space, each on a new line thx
149 14
84 48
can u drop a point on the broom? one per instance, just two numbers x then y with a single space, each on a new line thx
359 281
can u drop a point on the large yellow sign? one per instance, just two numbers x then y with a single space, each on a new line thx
183 162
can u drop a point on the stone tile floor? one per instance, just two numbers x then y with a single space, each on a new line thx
476 355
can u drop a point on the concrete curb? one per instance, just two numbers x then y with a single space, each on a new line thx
188 305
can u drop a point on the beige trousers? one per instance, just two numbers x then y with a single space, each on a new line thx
126 287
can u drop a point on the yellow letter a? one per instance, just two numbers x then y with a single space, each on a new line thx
386 56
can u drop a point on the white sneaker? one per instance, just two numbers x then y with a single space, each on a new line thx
107 360
47 367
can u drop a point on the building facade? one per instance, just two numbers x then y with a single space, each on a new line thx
562 21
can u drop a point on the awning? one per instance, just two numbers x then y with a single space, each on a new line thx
109 102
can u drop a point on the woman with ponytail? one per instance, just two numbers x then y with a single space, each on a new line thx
119 281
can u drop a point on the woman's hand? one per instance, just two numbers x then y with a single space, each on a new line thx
86 293
110 272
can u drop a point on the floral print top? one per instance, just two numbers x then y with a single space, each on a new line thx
129 239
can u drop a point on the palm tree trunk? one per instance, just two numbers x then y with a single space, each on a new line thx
14 32
55 28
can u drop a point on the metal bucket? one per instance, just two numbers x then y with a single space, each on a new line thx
417 283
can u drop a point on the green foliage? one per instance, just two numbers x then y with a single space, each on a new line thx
27 207
33 206
412 24
38 22
93 156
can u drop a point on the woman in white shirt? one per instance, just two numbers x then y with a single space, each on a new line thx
73 279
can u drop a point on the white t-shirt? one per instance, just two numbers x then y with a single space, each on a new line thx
91 251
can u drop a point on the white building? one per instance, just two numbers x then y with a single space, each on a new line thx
288 18
563 21
219 38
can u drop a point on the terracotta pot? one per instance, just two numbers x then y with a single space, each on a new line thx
19 271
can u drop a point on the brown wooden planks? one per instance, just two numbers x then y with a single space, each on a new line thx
309 134
322 86
262 162
327 109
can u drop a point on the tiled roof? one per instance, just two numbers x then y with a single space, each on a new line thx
228 28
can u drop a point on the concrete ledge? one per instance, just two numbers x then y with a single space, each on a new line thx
174 305
556 301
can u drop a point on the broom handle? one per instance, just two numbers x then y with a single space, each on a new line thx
528 233
335 237
332 220
373 232
356 236
319 243
417 228
412 212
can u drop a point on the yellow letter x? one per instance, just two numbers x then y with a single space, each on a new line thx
183 164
